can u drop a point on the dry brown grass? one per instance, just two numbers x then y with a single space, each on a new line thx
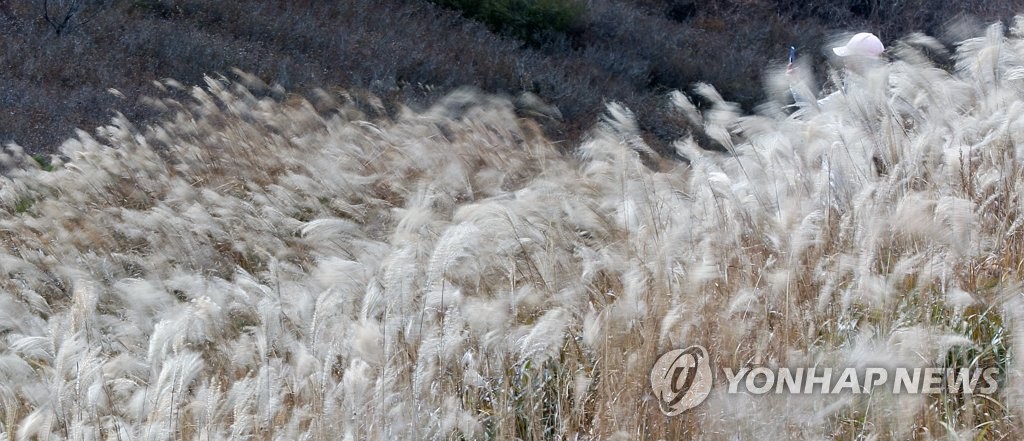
412 52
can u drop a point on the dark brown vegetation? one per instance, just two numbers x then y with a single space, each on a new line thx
60 57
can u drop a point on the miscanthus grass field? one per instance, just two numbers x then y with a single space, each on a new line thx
285 269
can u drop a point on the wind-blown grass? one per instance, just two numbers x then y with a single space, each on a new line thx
261 269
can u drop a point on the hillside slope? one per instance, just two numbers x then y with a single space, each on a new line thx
412 52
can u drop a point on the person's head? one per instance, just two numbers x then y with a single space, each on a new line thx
862 51
864 44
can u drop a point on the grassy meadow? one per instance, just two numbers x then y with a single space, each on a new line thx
258 265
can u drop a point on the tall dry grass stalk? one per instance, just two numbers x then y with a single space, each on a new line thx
258 269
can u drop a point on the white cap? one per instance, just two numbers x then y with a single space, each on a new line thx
864 44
